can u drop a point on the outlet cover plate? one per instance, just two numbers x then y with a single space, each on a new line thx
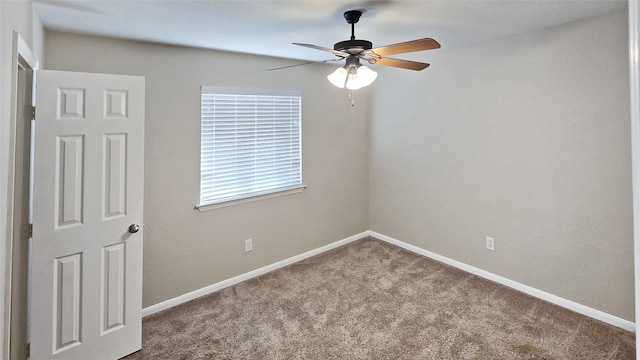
490 242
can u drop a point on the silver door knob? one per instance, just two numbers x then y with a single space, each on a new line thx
133 228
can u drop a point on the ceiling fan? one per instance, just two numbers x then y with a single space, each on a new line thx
353 75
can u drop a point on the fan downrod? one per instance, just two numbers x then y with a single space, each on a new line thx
352 45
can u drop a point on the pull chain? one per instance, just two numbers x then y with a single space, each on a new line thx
351 99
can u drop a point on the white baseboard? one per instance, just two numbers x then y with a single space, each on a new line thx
571 305
246 276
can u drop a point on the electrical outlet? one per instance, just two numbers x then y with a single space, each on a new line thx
490 243
248 245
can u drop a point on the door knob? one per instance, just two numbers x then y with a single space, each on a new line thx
133 228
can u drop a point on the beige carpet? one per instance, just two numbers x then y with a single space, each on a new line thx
372 300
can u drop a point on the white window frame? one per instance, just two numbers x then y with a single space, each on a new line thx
249 196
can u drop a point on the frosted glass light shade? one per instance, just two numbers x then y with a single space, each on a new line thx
353 79
360 78
338 77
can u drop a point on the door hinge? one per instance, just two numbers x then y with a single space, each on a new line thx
33 113
27 231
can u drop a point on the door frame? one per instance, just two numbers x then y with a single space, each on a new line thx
22 56
634 79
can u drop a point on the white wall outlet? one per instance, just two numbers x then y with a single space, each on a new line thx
490 243
248 245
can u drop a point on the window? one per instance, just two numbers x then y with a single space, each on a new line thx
250 143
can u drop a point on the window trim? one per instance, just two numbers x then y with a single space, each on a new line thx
251 198
255 196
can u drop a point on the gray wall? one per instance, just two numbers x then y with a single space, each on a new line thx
525 139
184 249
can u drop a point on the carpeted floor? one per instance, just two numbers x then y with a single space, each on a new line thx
372 300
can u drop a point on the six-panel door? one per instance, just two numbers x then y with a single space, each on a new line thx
86 287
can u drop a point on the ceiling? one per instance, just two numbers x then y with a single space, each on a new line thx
265 27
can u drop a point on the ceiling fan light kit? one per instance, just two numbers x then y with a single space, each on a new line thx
353 76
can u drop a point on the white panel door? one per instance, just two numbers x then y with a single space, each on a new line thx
86 294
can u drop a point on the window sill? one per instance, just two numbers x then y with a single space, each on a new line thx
288 191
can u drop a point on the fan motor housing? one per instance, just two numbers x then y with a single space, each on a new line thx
353 46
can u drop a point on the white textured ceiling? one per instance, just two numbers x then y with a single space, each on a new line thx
269 27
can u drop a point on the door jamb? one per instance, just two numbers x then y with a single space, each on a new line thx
634 77
21 54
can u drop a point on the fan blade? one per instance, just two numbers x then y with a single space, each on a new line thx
405 47
404 64
334 52
305 63
290 66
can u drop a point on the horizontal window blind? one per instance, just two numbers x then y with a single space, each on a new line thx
250 143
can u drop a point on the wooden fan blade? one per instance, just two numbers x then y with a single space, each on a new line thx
405 47
403 64
334 52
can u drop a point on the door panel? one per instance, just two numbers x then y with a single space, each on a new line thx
86 265
115 152
113 295
69 178
67 300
